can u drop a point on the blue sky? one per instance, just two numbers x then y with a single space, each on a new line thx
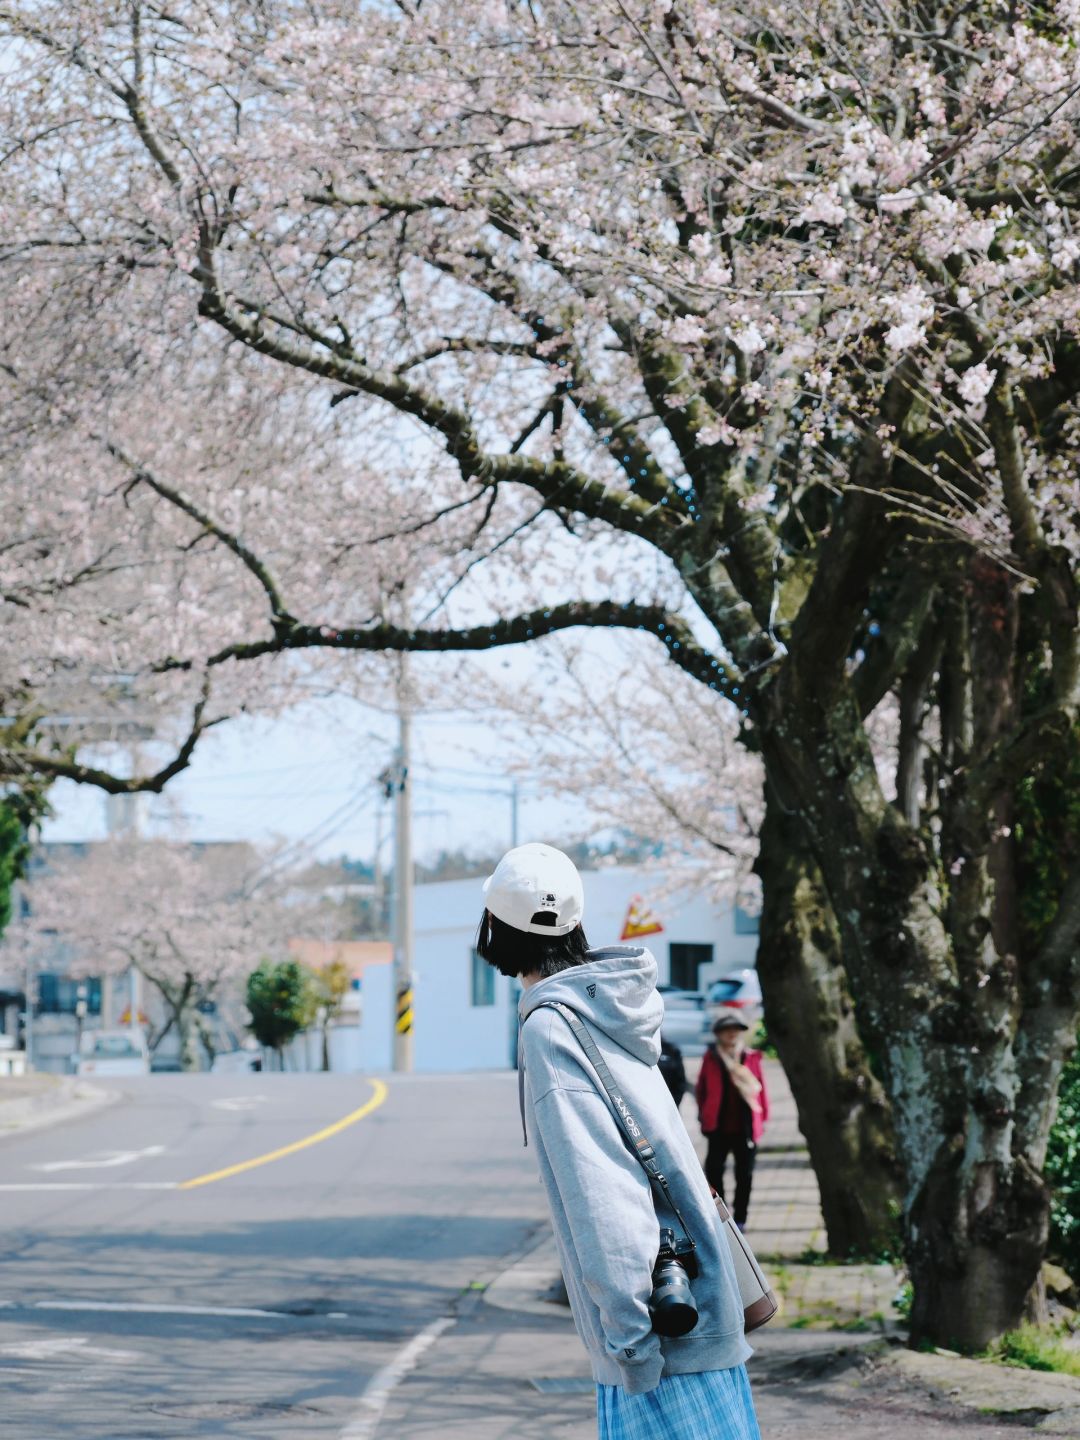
312 778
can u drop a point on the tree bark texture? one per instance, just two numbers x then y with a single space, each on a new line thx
969 1021
843 1110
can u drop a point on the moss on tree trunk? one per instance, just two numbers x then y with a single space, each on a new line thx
843 1111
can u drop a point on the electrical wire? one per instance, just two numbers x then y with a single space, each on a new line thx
306 845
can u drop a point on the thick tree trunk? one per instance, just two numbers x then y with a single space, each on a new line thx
977 1238
843 1111
941 1010
979 1223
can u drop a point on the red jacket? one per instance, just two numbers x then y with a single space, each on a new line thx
709 1090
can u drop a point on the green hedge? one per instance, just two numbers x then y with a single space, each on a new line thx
1063 1171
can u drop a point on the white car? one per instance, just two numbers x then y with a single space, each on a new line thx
685 1023
738 993
111 1053
236 1062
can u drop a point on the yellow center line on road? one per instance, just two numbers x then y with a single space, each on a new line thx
376 1100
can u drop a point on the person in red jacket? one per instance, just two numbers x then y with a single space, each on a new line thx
733 1107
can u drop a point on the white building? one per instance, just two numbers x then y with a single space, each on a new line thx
466 1012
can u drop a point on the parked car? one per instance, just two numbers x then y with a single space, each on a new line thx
112 1053
740 992
165 1065
236 1062
685 1021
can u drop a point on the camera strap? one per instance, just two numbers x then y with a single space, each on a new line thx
636 1139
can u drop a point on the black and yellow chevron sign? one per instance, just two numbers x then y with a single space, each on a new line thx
404 1010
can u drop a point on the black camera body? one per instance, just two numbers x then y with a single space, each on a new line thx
671 1303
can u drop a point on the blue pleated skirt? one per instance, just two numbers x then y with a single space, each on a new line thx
709 1405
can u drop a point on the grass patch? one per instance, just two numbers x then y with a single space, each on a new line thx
781 1277
810 1256
824 1318
886 1256
1036 1347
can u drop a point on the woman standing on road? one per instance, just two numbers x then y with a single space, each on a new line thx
606 1222
733 1106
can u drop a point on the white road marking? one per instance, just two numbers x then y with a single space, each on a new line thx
108 1161
134 1307
239 1102
382 1384
32 1186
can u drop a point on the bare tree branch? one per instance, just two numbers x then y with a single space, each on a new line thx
670 629
15 765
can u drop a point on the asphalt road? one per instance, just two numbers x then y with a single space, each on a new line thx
123 1297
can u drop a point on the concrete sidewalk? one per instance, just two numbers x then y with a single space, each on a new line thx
828 1368
28 1102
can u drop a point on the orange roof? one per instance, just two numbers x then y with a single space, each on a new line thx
356 954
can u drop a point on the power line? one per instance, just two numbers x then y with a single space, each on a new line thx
295 851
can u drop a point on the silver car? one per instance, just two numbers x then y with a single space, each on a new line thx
685 1021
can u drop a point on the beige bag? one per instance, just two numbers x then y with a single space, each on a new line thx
759 1302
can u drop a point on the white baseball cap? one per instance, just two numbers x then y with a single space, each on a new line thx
536 879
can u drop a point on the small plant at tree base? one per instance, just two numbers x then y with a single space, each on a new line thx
902 1300
1036 1347
760 1040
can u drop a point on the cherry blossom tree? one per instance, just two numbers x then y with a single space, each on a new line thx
187 918
766 315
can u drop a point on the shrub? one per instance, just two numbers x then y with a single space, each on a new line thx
1063 1171
278 997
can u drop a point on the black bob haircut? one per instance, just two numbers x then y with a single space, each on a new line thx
521 952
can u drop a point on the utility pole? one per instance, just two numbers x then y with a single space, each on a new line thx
378 877
403 884
123 818
30 984
30 966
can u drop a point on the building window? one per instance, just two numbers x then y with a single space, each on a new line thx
745 923
483 981
686 960
59 994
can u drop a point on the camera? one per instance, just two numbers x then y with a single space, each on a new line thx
671 1304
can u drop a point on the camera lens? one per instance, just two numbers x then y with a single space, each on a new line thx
672 1304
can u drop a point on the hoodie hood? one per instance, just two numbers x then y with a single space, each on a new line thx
615 991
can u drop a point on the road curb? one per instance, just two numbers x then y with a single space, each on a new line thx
528 1283
1042 1399
70 1099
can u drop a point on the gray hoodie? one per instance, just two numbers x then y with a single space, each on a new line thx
605 1218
